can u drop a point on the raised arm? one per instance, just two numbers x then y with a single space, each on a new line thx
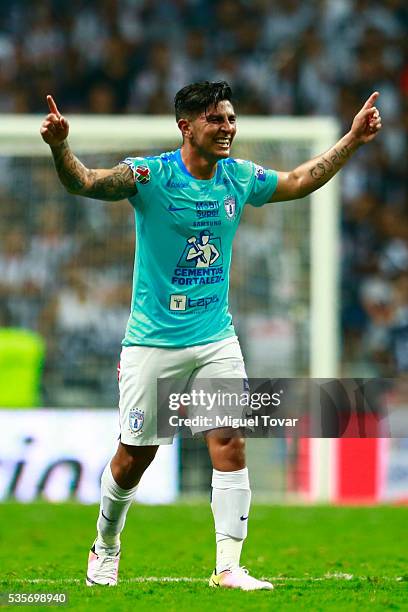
114 184
316 172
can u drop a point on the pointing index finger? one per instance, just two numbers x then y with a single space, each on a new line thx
52 106
371 100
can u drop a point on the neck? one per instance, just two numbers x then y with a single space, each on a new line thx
197 165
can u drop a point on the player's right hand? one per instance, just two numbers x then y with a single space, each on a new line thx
54 129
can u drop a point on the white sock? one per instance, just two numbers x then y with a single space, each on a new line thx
115 503
228 554
231 498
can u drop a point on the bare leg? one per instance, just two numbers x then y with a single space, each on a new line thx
227 453
130 462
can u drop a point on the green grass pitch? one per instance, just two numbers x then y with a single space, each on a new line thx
319 558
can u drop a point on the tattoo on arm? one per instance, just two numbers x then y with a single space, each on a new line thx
333 161
71 171
115 184
118 184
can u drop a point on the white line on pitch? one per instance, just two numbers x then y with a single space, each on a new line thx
187 579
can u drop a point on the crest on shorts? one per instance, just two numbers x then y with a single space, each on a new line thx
136 420
229 205
142 174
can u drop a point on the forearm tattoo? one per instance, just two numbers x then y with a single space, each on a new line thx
71 171
328 165
115 184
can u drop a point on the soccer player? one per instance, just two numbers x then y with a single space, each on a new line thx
188 204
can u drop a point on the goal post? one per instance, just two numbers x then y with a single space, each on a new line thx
285 299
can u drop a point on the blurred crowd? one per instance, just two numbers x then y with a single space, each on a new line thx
65 272
281 57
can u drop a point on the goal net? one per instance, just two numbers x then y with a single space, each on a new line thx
66 266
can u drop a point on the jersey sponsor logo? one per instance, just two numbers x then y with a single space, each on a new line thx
142 174
178 302
181 303
260 173
198 276
207 208
172 184
136 420
172 208
201 251
203 302
201 261
230 206
206 223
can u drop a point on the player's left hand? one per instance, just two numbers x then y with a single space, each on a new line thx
367 122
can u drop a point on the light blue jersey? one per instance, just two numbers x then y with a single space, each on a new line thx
184 233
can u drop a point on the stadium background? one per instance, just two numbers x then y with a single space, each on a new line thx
281 58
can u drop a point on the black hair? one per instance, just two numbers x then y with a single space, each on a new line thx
195 98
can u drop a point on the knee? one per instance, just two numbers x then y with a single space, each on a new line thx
136 457
228 454
234 447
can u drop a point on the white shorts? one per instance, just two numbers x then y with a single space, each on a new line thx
141 366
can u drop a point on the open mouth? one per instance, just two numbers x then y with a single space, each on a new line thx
225 143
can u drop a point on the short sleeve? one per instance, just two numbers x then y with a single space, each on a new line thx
141 169
146 172
263 185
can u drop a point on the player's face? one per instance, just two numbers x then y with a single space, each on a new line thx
212 132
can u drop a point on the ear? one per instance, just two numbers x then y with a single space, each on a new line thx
184 127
